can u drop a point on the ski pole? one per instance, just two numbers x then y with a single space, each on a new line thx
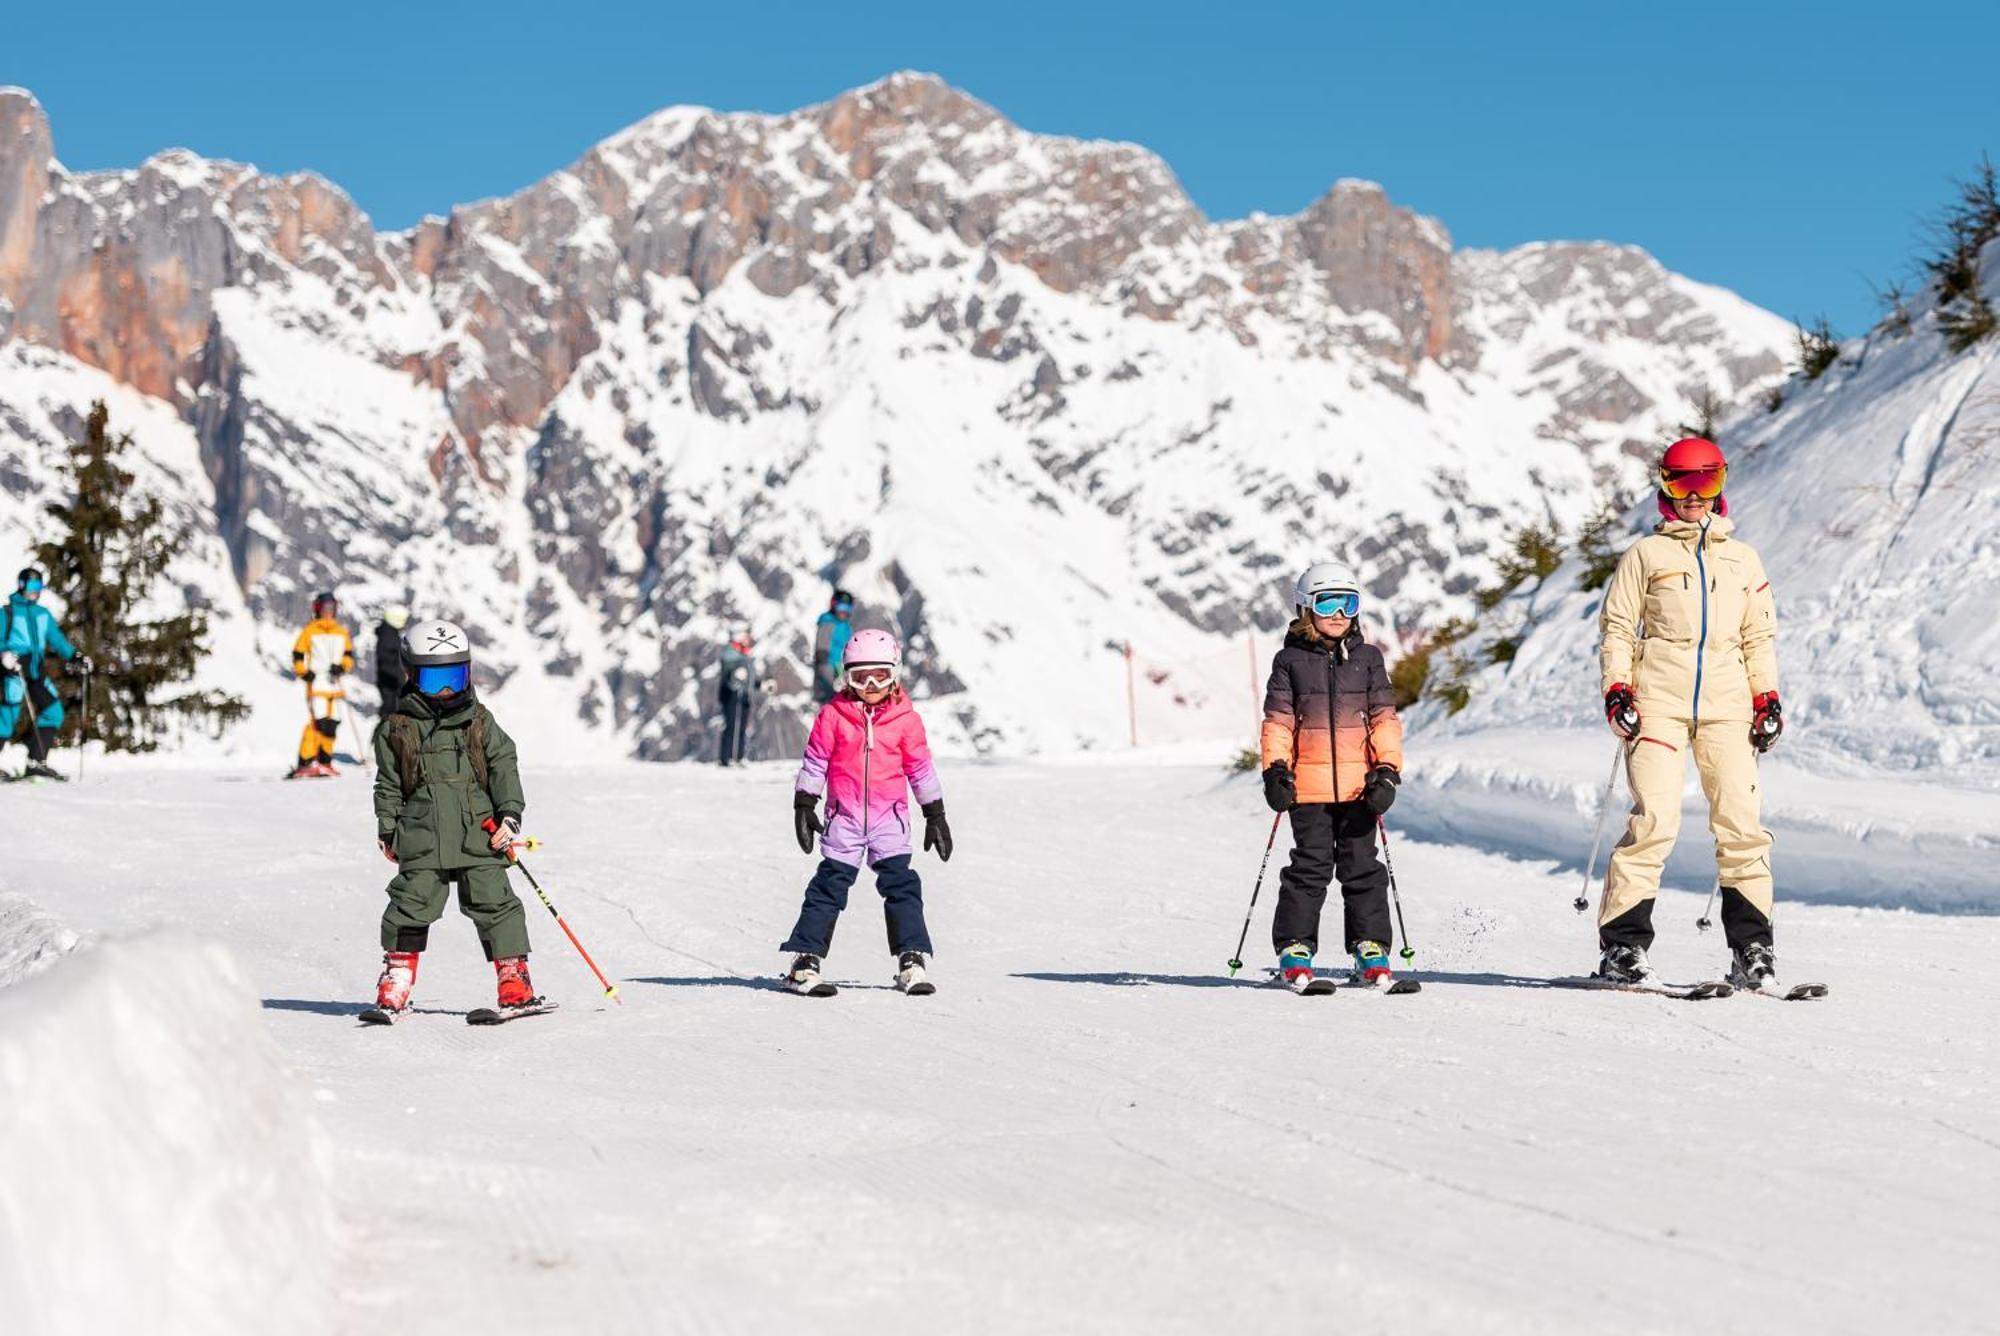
1705 922
1582 902
610 991
1236 961
1408 953
83 726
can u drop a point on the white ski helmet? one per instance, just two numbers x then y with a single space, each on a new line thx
397 616
1324 577
438 658
873 649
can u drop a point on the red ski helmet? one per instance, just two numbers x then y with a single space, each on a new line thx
1692 466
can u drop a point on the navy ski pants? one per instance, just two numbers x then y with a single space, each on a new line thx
826 895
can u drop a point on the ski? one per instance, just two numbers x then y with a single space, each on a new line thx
1798 992
1693 992
1319 985
921 988
377 1016
817 988
1393 988
501 1015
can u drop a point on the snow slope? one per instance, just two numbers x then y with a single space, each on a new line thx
1089 1127
1872 499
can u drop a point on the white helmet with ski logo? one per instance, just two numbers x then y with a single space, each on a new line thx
1328 588
439 657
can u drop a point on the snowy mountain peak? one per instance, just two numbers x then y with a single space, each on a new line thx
1015 389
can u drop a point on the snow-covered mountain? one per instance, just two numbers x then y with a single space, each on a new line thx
1014 390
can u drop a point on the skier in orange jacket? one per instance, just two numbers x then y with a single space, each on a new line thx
321 656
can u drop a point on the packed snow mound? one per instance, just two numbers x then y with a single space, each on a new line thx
30 940
163 1171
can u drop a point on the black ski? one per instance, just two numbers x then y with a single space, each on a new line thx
501 1015
921 988
377 1016
819 989
1798 992
1692 992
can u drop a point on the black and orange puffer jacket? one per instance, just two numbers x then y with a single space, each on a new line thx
1330 713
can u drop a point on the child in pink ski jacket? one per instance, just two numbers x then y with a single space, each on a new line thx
866 754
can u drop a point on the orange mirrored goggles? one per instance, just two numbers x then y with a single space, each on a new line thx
1681 484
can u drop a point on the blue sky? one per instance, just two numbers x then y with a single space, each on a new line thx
1787 151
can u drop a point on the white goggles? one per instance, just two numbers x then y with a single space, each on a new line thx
871 676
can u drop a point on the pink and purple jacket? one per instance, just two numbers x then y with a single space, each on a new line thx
862 760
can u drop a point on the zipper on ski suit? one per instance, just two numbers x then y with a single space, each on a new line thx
1701 644
867 754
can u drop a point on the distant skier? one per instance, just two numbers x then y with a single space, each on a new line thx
444 766
1332 748
866 751
388 666
1689 659
28 635
321 656
830 646
736 690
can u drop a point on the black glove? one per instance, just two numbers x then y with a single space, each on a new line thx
1769 723
1281 794
805 819
1380 792
1621 712
83 664
937 834
334 672
310 675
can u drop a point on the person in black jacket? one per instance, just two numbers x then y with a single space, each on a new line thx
389 673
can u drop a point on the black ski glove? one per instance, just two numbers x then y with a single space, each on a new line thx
1621 711
937 834
1380 793
1281 794
1769 724
805 818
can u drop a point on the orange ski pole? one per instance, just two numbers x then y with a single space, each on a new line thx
610 990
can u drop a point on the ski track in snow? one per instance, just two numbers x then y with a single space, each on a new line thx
1089 1127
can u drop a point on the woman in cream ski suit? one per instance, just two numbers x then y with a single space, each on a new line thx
1689 659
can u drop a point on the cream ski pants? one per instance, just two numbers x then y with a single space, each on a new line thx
1656 766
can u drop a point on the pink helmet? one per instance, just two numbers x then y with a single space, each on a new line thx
872 649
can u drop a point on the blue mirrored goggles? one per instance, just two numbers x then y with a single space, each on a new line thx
1336 602
31 586
437 679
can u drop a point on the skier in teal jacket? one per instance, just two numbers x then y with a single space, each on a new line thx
28 635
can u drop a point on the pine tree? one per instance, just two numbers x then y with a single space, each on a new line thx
1964 314
1598 546
1819 348
114 547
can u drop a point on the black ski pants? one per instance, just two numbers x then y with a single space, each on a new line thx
735 726
826 895
1332 840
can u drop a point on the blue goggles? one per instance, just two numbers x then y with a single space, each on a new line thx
1336 603
31 586
436 679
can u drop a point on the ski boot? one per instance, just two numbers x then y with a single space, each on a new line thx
516 990
1754 966
910 977
1371 965
1626 966
392 990
43 770
1295 967
803 976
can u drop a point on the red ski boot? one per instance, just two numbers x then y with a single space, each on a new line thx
392 990
516 990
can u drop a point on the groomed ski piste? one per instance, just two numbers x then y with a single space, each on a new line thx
1089 1127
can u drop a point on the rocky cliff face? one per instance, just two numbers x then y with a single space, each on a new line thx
1015 389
